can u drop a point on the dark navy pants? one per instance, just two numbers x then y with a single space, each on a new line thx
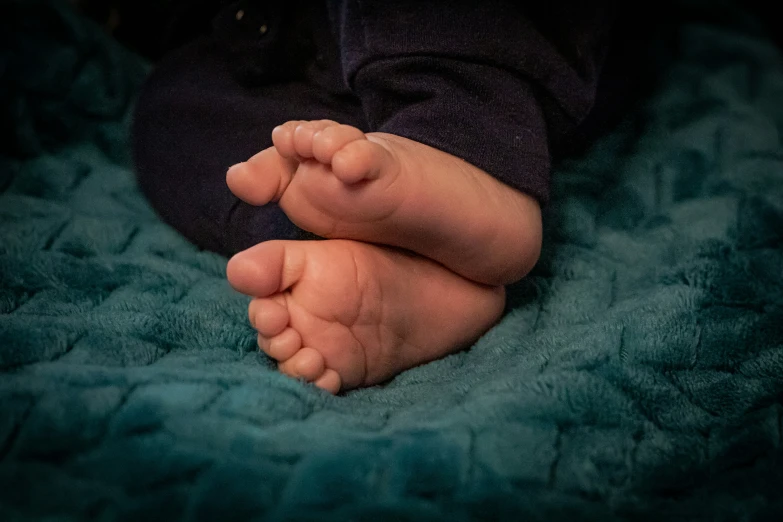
500 85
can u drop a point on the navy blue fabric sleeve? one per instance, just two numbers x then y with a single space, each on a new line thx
497 83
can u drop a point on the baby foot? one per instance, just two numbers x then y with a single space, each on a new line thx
343 314
337 182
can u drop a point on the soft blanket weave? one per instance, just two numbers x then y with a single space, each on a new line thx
638 373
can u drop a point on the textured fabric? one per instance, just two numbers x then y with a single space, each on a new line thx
229 88
493 82
638 374
495 85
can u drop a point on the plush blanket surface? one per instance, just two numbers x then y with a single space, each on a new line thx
638 373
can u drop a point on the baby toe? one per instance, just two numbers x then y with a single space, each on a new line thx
283 138
268 316
282 346
329 381
331 139
359 160
262 178
307 364
304 133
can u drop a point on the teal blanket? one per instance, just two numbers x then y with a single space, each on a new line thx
638 373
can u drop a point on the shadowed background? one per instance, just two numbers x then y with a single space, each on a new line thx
638 374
